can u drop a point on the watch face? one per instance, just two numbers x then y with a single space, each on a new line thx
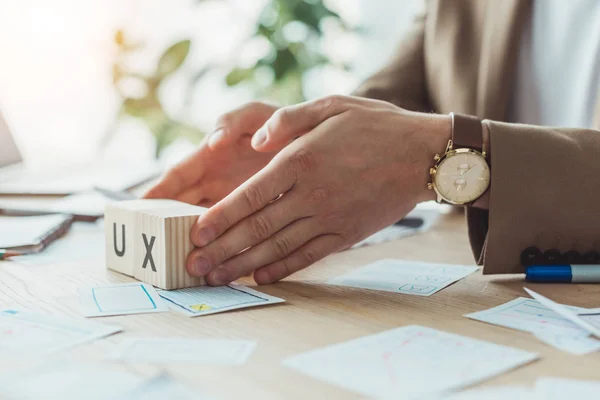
462 176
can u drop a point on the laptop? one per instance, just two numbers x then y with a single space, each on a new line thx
16 178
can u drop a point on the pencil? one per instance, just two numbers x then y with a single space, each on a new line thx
4 254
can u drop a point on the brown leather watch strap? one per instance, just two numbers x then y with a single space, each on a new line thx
467 132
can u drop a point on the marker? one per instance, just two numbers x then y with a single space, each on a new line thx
4 254
563 273
411 222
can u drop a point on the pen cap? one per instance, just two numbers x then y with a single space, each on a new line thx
549 273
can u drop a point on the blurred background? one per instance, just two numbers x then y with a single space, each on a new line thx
146 79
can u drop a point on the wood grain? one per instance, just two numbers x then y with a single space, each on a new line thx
314 315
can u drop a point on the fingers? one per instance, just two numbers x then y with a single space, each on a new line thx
274 249
249 232
253 195
193 195
288 123
306 255
241 121
179 178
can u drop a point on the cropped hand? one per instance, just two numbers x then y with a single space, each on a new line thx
348 168
222 162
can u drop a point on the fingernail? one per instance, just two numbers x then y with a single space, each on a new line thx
216 137
219 277
259 138
201 266
204 237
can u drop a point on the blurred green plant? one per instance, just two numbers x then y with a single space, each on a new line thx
293 29
289 58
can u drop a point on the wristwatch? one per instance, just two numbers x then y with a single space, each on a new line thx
462 174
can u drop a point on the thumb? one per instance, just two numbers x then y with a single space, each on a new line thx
288 123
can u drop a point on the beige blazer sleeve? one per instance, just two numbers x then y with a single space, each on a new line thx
543 192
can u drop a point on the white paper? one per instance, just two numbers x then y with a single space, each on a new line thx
528 315
429 216
204 300
409 362
573 344
68 380
561 389
505 392
163 387
407 277
23 333
183 350
121 299
589 323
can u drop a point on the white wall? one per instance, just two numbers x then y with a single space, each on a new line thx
55 57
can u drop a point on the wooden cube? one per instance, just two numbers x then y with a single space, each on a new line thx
149 240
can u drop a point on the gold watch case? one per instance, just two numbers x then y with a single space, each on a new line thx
460 176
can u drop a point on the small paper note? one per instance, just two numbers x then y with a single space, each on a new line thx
409 362
573 344
561 389
528 315
163 387
506 392
122 299
181 350
23 333
589 323
407 277
204 300
60 380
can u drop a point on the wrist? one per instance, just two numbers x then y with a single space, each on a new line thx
437 131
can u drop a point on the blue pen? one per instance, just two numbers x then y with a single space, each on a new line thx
563 273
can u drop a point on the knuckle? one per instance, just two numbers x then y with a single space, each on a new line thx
288 269
311 256
281 118
254 198
225 120
253 105
333 101
175 175
219 253
260 227
281 246
302 161
318 194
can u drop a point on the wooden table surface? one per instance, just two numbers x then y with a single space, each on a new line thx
314 315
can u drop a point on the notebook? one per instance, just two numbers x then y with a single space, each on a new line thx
32 234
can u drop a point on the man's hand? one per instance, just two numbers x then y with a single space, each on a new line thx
358 166
222 162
